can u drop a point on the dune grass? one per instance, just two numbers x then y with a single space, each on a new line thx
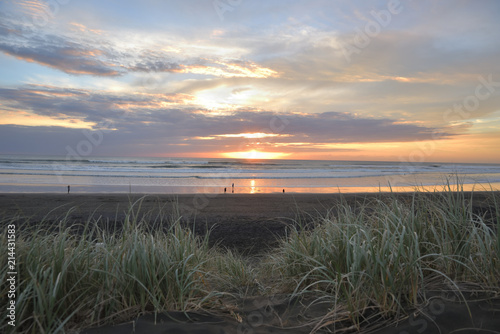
374 259
379 258
92 277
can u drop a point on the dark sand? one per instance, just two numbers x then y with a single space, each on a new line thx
442 314
250 224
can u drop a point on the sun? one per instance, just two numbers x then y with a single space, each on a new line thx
254 154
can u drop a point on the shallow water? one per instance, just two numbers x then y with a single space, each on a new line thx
177 175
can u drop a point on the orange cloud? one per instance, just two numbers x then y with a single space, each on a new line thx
230 70
256 135
33 7
28 119
82 28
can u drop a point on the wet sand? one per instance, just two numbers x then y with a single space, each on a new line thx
250 224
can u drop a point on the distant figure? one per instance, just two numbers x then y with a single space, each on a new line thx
283 191
68 189
233 188
224 190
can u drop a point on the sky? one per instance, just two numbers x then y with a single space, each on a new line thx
409 81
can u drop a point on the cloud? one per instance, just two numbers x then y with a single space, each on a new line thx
155 65
328 127
165 122
87 105
85 54
178 84
31 7
58 52
68 58
17 139
84 29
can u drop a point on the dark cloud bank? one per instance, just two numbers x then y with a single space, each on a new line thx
141 126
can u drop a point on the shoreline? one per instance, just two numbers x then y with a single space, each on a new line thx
17 188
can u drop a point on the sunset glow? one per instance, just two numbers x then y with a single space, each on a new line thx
322 80
257 135
27 119
254 154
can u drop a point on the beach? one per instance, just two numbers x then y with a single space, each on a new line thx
52 174
253 225
247 222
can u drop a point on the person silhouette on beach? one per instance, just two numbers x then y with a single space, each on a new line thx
283 191
233 188
224 190
68 189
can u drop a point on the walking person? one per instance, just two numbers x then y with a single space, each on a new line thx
68 188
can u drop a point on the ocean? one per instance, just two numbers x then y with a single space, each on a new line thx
33 174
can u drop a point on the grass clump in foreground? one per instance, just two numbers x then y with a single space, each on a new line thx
377 259
71 280
369 261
